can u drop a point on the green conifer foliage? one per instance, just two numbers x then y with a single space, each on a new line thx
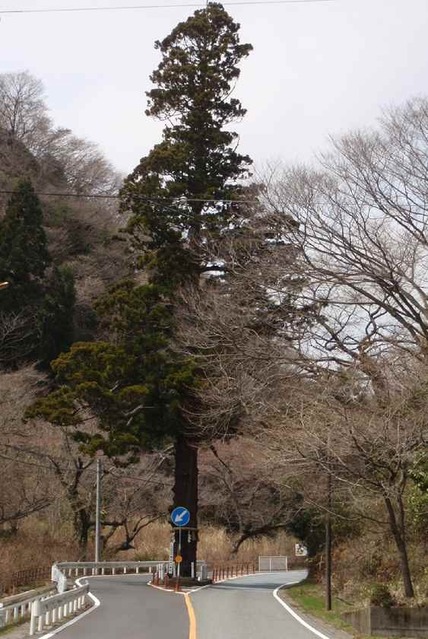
133 382
37 307
56 315
24 255
196 159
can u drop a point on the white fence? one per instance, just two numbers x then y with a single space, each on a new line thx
268 563
20 606
48 607
86 568
48 611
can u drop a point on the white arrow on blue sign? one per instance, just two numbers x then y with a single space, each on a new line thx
180 516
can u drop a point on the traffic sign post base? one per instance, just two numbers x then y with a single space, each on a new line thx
185 542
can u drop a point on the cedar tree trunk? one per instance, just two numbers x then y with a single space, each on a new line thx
186 494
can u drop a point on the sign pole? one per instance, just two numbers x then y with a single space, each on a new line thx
179 552
180 517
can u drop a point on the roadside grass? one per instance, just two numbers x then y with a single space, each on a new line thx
309 597
6 630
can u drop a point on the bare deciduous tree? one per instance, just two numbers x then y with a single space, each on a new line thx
362 221
133 498
17 336
63 157
23 111
369 446
24 489
243 493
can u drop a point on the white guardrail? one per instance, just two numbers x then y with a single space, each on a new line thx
48 611
53 609
53 604
85 568
20 606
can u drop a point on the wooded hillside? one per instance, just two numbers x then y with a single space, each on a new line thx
253 350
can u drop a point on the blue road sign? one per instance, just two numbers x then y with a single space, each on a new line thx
180 516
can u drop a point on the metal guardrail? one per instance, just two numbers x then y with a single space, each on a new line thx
49 606
91 568
20 606
48 611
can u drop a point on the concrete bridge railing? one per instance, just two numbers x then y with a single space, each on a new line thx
48 611
92 568
15 608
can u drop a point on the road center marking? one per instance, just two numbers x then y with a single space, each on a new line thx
192 617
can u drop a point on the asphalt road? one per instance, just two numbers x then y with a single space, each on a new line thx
131 610
241 608
246 609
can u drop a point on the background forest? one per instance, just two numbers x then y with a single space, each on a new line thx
261 333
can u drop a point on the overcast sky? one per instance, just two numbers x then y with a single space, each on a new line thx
316 69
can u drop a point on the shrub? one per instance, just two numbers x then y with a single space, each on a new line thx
381 596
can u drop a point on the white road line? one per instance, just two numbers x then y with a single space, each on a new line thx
179 592
294 614
97 603
198 588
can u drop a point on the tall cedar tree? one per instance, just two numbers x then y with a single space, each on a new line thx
134 381
196 161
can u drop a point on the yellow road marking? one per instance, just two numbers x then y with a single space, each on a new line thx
192 617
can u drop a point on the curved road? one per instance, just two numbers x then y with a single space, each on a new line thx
241 608
130 609
245 608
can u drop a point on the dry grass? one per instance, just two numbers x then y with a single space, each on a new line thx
358 563
36 545
361 562
40 543
215 545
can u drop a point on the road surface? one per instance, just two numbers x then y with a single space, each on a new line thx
130 609
245 608
242 608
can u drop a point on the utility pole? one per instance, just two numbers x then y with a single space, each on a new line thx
328 535
328 545
98 513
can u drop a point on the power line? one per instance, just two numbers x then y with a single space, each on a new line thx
156 6
112 470
149 200
102 196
